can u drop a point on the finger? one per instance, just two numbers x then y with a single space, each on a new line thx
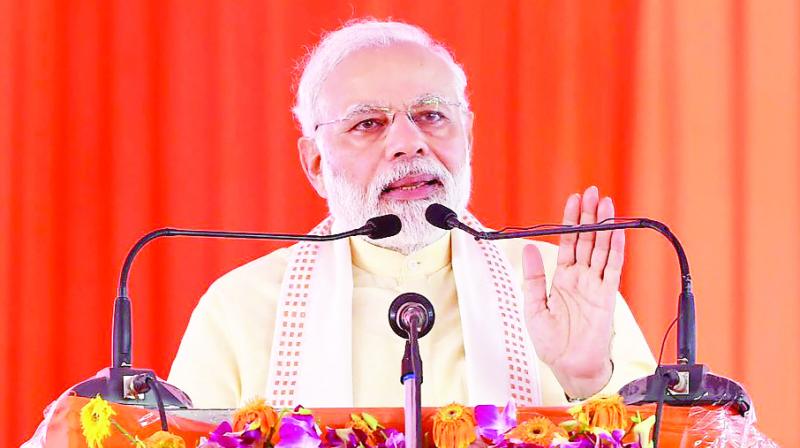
602 241
566 247
583 249
534 284
616 257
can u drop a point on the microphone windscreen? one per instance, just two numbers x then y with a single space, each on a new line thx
384 226
438 215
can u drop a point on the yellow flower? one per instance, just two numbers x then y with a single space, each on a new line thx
538 431
606 412
96 421
453 427
163 439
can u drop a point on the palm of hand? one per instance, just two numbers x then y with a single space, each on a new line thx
575 327
571 327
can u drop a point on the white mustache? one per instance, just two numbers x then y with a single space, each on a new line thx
428 167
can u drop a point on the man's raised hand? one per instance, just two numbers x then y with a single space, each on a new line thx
571 327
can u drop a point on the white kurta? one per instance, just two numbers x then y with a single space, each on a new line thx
223 359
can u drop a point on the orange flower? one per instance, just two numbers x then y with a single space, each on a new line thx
537 431
453 427
163 439
608 413
255 414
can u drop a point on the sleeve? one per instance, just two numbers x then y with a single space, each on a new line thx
205 366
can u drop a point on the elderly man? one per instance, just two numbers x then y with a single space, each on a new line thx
387 128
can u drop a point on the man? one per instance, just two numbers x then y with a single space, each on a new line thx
387 129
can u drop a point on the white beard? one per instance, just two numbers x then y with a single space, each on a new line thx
351 206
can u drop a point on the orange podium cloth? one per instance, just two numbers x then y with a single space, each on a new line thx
695 427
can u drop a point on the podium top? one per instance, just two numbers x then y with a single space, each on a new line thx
695 426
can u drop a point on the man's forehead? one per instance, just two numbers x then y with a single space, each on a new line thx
392 76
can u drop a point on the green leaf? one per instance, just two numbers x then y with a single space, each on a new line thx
372 422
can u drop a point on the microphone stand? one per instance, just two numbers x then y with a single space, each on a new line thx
121 383
411 377
411 316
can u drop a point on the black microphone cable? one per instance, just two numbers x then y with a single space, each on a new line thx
146 382
667 379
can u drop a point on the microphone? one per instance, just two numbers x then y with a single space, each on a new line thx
697 385
442 217
411 310
116 386
383 226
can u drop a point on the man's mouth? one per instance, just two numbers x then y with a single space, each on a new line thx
417 186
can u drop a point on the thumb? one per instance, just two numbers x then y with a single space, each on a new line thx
534 284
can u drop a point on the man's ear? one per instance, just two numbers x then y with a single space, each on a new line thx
468 120
311 161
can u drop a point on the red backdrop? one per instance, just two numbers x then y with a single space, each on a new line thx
119 117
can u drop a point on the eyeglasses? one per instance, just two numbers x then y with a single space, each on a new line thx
432 115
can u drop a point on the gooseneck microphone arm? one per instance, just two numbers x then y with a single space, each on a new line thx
686 383
368 229
444 218
124 384
376 228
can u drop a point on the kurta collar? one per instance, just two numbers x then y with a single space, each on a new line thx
381 261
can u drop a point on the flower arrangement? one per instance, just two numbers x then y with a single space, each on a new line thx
601 422
259 426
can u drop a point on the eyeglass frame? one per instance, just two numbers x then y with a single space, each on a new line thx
419 101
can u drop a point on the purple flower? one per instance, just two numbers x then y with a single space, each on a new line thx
298 431
493 424
341 438
614 437
332 439
394 439
580 441
224 437
355 438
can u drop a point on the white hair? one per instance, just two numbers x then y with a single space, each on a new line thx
356 35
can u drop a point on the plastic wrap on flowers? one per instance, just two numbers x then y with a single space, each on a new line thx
40 434
191 420
723 427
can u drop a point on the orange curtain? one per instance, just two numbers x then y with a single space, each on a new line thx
716 154
119 117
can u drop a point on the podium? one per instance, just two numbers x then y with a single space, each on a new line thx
696 427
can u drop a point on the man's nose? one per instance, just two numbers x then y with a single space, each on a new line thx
404 138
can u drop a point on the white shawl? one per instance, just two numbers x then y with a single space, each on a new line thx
311 356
